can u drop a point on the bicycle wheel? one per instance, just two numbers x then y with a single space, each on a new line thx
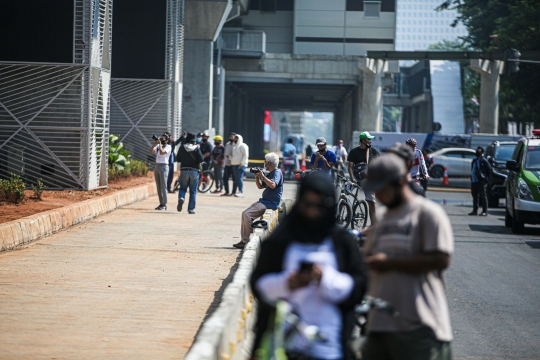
360 215
206 180
344 215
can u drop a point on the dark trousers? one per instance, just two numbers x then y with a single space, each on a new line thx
478 192
170 176
227 174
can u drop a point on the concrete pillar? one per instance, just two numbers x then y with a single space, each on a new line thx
489 93
198 79
203 23
371 112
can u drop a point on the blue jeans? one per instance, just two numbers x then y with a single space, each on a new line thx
238 174
189 178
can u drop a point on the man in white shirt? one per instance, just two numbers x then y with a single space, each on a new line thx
161 171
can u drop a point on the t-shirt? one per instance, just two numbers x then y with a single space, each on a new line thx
328 155
272 197
358 155
218 154
340 152
417 227
162 159
207 148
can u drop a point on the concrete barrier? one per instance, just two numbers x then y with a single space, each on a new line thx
19 232
227 334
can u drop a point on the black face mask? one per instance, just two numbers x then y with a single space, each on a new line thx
478 153
368 145
217 143
204 140
397 200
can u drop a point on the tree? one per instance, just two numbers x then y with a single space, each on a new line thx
506 24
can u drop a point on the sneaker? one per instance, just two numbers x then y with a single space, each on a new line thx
483 213
170 191
226 194
473 213
179 206
191 211
240 245
239 194
159 207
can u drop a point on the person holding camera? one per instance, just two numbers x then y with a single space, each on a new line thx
323 159
272 183
190 158
161 172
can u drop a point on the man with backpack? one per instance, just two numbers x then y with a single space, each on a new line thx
359 158
190 158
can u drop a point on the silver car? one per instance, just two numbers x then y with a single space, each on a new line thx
457 160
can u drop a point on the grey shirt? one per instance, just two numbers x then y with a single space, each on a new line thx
418 227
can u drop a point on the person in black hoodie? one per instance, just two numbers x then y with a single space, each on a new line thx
316 267
189 157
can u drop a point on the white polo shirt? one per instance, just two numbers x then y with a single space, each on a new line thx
163 159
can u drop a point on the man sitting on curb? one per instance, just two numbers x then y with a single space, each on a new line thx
271 196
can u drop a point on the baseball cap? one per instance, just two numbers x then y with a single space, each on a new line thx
382 171
320 141
366 135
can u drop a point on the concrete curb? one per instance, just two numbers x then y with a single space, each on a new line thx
451 190
226 335
23 231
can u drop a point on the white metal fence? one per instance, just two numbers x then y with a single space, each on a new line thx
54 117
141 108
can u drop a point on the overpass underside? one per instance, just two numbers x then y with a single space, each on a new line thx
290 83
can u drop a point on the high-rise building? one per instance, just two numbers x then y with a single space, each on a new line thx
420 25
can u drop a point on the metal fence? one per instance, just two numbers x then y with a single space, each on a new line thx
141 108
54 117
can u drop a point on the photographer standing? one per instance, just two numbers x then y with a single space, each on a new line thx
271 196
161 171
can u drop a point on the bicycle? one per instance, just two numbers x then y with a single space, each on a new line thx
344 213
359 206
206 180
344 209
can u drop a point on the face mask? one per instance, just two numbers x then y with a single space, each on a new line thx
478 153
204 140
368 145
217 143
198 139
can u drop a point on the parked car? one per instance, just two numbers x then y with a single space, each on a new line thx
523 184
456 160
498 153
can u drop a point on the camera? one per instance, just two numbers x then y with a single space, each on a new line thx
254 170
155 137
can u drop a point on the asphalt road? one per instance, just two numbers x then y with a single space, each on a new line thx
493 284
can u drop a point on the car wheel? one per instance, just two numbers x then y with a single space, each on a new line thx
437 171
517 226
493 201
507 219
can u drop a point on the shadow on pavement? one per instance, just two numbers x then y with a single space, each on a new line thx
219 293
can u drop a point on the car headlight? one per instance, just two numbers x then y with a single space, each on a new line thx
524 192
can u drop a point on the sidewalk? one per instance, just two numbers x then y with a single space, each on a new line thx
135 283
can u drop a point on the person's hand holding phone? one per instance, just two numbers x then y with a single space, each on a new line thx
307 273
